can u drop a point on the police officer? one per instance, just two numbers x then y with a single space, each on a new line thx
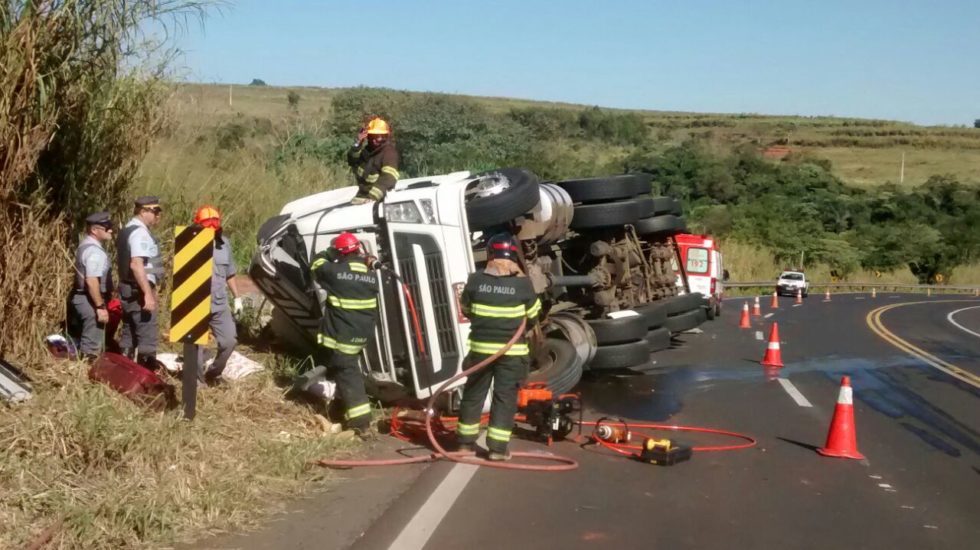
496 300
374 161
222 279
140 275
93 285
350 316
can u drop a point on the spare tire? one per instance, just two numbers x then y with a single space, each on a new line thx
655 313
619 356
658 339
563 371
666 224
619 330
686 321
610 214
607 188
499 196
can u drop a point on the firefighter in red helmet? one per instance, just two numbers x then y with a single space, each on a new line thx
349 318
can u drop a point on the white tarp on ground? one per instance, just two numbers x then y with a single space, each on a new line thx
238 366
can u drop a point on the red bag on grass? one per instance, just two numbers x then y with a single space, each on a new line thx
134 381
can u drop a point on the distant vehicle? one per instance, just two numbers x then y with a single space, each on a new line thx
791 282
702 263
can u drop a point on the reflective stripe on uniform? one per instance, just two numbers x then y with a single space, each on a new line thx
502 312
372 178
535 309
498 434
359 410
317 263
357 267
332 343
350 303
376 193
391 171
360 170
467 429
489 348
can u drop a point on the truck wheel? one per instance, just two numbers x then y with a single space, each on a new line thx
685 321
655 313
666 224
619 356
684 303
563 368
620 330
676 208
499 196
646 207
662 205
658 339
610 214
606 189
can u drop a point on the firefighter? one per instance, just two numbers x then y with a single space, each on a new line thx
89 311
350 315
496 301
222 279
374 161
140 276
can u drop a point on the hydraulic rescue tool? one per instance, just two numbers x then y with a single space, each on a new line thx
550 416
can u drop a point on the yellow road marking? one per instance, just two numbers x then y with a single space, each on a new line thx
874 323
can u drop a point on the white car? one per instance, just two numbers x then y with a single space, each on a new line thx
791 282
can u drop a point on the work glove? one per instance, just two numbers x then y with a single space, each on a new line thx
374 263
238 306
360 200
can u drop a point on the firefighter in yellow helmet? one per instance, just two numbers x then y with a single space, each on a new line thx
374 161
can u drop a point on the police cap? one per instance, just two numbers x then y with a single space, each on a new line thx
148 201
99 218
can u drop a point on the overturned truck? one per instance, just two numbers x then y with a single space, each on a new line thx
600 251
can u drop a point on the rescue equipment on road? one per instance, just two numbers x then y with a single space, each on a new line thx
773 356
842 437
664 452
744 321
617 435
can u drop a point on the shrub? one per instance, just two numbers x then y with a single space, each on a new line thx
257 82
293 99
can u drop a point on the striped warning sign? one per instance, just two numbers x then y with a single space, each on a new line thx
190 301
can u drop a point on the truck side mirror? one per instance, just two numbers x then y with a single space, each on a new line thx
724 275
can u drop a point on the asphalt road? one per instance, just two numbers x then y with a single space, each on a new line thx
915 368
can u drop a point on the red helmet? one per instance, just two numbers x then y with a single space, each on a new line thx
346 243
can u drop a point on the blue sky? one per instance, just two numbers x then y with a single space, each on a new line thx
905 60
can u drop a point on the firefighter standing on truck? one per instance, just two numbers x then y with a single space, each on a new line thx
496 301
140 275
349 319
88 311
374 160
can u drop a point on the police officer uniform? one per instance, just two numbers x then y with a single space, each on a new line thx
350 316
139 327
495 304
91 261
222 323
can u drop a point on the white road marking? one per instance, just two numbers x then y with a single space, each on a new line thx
425 521
797 305
768 315
874 477
758 335
794 393
959 326
885 485
859 298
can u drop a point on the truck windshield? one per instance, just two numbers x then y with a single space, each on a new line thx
697 260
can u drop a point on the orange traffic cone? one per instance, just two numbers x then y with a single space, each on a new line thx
842 438
775 301
773 356
799 296
756 308
826 296
744 321
874 293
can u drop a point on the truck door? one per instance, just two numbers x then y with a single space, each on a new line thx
434 342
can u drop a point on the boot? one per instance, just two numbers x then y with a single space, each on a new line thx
303 381
127 352
148 361
494 456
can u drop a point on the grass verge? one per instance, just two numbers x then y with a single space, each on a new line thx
98 471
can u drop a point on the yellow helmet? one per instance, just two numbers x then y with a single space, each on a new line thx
378 127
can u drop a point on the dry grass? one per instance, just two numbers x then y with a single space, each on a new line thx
109 474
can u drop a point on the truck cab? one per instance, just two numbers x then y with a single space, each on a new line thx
701 262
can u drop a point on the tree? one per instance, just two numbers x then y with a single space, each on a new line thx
257 82
976 123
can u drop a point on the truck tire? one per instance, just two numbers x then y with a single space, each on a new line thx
619 331
609 214
646 206
676 209
620 356
666 224
520 195
607 188
685 321
655 313
563 372
658 339
663 205
684 303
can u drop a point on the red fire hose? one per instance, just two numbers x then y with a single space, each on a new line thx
621 426
465 457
